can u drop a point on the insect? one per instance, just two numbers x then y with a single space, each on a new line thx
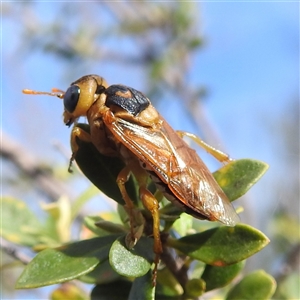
123 123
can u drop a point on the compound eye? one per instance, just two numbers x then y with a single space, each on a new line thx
71 98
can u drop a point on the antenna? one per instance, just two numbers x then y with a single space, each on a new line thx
55 92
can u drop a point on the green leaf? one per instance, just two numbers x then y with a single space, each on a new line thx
257 285
142 288
65 263
82 199
184 224
168 284
110 227
68 291
103 273
101 227
59 212
89 222
195 287
238 176
102 170
216 277
288 288
222 246
50 235
18 224
131 263
117 290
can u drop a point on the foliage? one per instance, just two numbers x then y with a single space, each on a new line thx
105 260
162 39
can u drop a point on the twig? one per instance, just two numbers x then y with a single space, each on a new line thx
13 251
27 163
290 264
176 266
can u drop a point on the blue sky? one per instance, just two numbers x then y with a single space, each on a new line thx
250 66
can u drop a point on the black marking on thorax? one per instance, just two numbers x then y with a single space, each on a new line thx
127 98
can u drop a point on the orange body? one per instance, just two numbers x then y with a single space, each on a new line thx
124 123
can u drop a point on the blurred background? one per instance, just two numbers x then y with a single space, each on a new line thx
226 71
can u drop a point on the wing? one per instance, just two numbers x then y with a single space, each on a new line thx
178 166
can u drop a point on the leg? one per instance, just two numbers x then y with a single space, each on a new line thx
151 203
81 134
219 155
136 219
89 134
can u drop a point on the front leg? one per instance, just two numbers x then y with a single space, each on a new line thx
81 134
94 134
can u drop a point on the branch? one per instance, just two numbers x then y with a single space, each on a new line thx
27 164
13 251
291 263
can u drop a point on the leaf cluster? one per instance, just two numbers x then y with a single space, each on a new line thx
197 258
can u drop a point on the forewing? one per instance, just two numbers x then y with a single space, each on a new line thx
197 189
178 166
148 145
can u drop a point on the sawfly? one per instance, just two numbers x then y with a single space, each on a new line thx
124 124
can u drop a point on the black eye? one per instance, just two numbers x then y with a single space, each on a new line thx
71 98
